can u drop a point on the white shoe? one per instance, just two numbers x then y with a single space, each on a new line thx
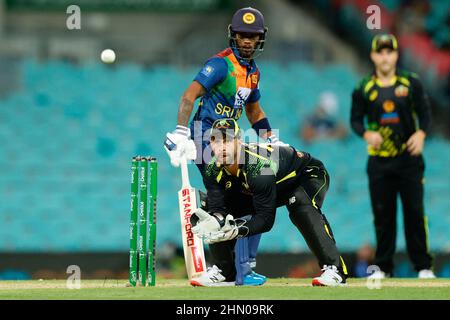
377 275
211 278
329 277
426 274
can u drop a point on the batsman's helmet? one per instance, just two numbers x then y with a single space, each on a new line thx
248 20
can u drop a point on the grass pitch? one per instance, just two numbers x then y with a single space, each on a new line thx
274 289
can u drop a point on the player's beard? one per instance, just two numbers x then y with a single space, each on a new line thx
226 158
246 53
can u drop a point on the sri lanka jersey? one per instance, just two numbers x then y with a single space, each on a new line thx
230 84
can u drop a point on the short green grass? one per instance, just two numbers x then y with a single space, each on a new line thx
274 289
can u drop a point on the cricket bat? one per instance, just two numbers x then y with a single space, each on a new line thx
194 255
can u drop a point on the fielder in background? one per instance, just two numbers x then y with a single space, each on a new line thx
267 177
228 83
398 117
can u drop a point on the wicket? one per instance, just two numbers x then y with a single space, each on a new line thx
142 253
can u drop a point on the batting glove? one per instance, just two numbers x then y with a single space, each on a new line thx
178 145
273 139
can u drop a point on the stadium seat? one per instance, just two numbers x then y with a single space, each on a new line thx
66 176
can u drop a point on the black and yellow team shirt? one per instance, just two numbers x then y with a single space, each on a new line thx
396 111
266 174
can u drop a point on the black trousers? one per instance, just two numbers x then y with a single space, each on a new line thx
304 204
388 178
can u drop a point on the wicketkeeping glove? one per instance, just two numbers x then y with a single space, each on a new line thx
232 229
202 222
178 145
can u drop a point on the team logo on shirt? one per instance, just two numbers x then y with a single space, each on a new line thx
390 116
401 91
207 70
241 97
228 185
248 18
388 106
254 78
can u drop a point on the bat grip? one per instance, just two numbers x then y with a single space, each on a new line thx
184 172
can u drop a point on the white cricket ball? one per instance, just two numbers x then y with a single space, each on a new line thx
108 56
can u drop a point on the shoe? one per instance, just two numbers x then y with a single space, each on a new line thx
211 278
329 277
378 275
426 274
254 279
259 275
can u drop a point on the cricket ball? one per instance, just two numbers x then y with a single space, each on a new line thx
108 56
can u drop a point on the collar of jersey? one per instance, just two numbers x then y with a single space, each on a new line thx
378 82
391 82
243 62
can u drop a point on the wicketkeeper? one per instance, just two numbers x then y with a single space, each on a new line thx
262 177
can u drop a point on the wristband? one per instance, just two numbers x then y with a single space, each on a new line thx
182 130
262 124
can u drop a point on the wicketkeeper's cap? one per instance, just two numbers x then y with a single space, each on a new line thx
381 41
248 20
222 127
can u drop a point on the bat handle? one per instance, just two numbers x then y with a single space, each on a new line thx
184 172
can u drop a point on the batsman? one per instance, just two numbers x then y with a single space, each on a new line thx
246 183
227 84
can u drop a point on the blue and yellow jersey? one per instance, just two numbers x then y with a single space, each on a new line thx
230 84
